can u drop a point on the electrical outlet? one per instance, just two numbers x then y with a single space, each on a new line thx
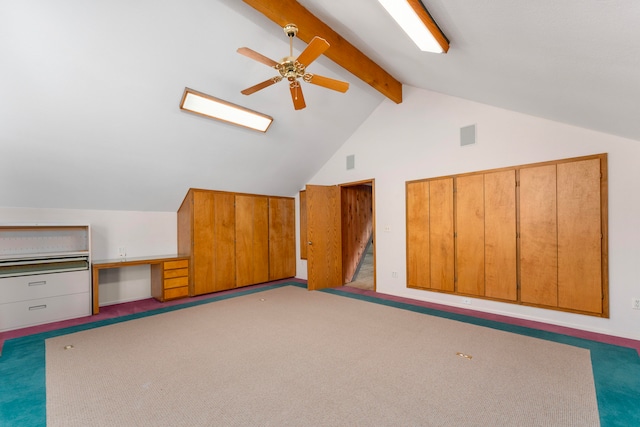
394 274
466 301
635 303
387 228
122 252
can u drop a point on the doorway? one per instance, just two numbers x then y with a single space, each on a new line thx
340 235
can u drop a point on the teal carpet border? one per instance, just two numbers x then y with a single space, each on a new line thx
616 369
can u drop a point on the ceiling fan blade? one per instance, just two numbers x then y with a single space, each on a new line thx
259 86
313 50
296 96
333 84
257 56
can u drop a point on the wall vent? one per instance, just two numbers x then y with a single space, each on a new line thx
351 161
467 135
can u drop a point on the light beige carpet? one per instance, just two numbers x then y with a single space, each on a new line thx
288 356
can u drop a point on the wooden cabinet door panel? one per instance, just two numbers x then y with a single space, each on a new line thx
282 238
441 242
579 236
252 240
500 235
418 274
470 234
538 236
203 247
224 241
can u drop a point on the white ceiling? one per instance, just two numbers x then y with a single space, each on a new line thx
89 91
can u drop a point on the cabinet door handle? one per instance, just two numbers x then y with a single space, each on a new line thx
38 307
41 282
310 243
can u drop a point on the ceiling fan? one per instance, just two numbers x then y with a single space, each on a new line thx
293 69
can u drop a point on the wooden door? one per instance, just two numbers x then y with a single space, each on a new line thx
303 225
224 233
324 253
500 235
203 247
538 236
418 255
441 240
470 234
579 236
252 239
282 238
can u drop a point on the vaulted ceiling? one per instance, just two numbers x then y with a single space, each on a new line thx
89 91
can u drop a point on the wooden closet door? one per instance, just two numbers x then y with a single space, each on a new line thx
224 232
500 235
470 234
538 236
441 241
418 257
282 238
203 245
579 236
252 239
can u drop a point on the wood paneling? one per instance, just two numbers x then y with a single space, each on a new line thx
441 242
579 236
418 257
500 235
252 239
357 226
470 234
282 238
538 235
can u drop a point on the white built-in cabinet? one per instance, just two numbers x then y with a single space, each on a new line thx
44 274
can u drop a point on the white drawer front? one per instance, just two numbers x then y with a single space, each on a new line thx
26 288
36 312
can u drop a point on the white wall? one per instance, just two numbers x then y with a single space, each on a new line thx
420 138
141 233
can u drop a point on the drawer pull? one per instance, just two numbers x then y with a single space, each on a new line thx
41 282
38 307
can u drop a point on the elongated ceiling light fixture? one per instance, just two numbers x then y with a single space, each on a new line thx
209 106
416 21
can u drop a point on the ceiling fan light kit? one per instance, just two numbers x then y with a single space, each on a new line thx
214 108
416 21
294 69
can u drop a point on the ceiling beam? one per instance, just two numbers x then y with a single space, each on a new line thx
341 52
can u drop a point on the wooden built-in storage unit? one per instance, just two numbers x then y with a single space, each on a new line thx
44 274
236 239
170 279
532 234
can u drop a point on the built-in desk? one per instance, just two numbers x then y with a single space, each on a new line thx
169 275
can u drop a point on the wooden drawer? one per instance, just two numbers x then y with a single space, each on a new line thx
170 265
24 288
176 283
176 293
180 272
38 311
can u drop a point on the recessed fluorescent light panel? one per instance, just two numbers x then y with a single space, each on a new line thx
209 106
414 19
